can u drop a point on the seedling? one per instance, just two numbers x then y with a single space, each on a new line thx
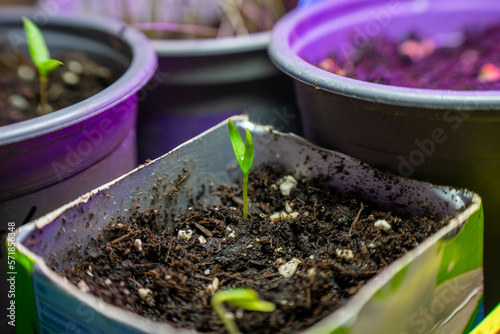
244 153
244 298
41 57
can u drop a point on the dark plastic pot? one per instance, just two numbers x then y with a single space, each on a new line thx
201 82
447 137
207 81
49 160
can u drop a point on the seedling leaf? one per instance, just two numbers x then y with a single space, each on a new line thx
236 294
255 305
245 298
36 43
48 66
237 142
249 152
41 57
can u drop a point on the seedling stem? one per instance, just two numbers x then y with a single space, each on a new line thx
244 153
244 298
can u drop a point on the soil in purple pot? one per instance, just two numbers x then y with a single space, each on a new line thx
78 79
417 62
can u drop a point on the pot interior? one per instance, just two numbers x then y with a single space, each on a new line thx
348 26
104 49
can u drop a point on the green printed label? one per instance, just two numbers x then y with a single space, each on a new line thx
463 253
394 284
24 299
341 330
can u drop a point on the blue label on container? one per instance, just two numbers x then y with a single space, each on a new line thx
59 313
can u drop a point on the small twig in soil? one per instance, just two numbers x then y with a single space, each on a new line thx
180 180
203 230
208 221
357 219
266 276
168 252
192 217
202 277
119 239
300 200
319 190
137 284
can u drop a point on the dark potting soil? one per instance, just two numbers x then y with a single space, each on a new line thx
78 79
417 63
337 243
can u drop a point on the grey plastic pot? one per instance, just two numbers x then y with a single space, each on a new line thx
199 83
52 159
432 287
447 137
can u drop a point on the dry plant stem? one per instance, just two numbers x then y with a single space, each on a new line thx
263 13
127 15
257 17
279 8
179 27
232 10
356 219
242 16
268 8
154 18
225 28
190 19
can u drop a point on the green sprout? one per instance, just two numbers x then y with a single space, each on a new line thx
244 298
41 57
244 155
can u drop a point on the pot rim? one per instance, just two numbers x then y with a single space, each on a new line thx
285 57
212 46
140 71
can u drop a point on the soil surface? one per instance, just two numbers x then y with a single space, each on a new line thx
78 79
417 63
337 243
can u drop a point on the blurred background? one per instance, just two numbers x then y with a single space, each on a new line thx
16 2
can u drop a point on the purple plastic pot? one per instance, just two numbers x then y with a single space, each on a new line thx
43 158
52 159
447 137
